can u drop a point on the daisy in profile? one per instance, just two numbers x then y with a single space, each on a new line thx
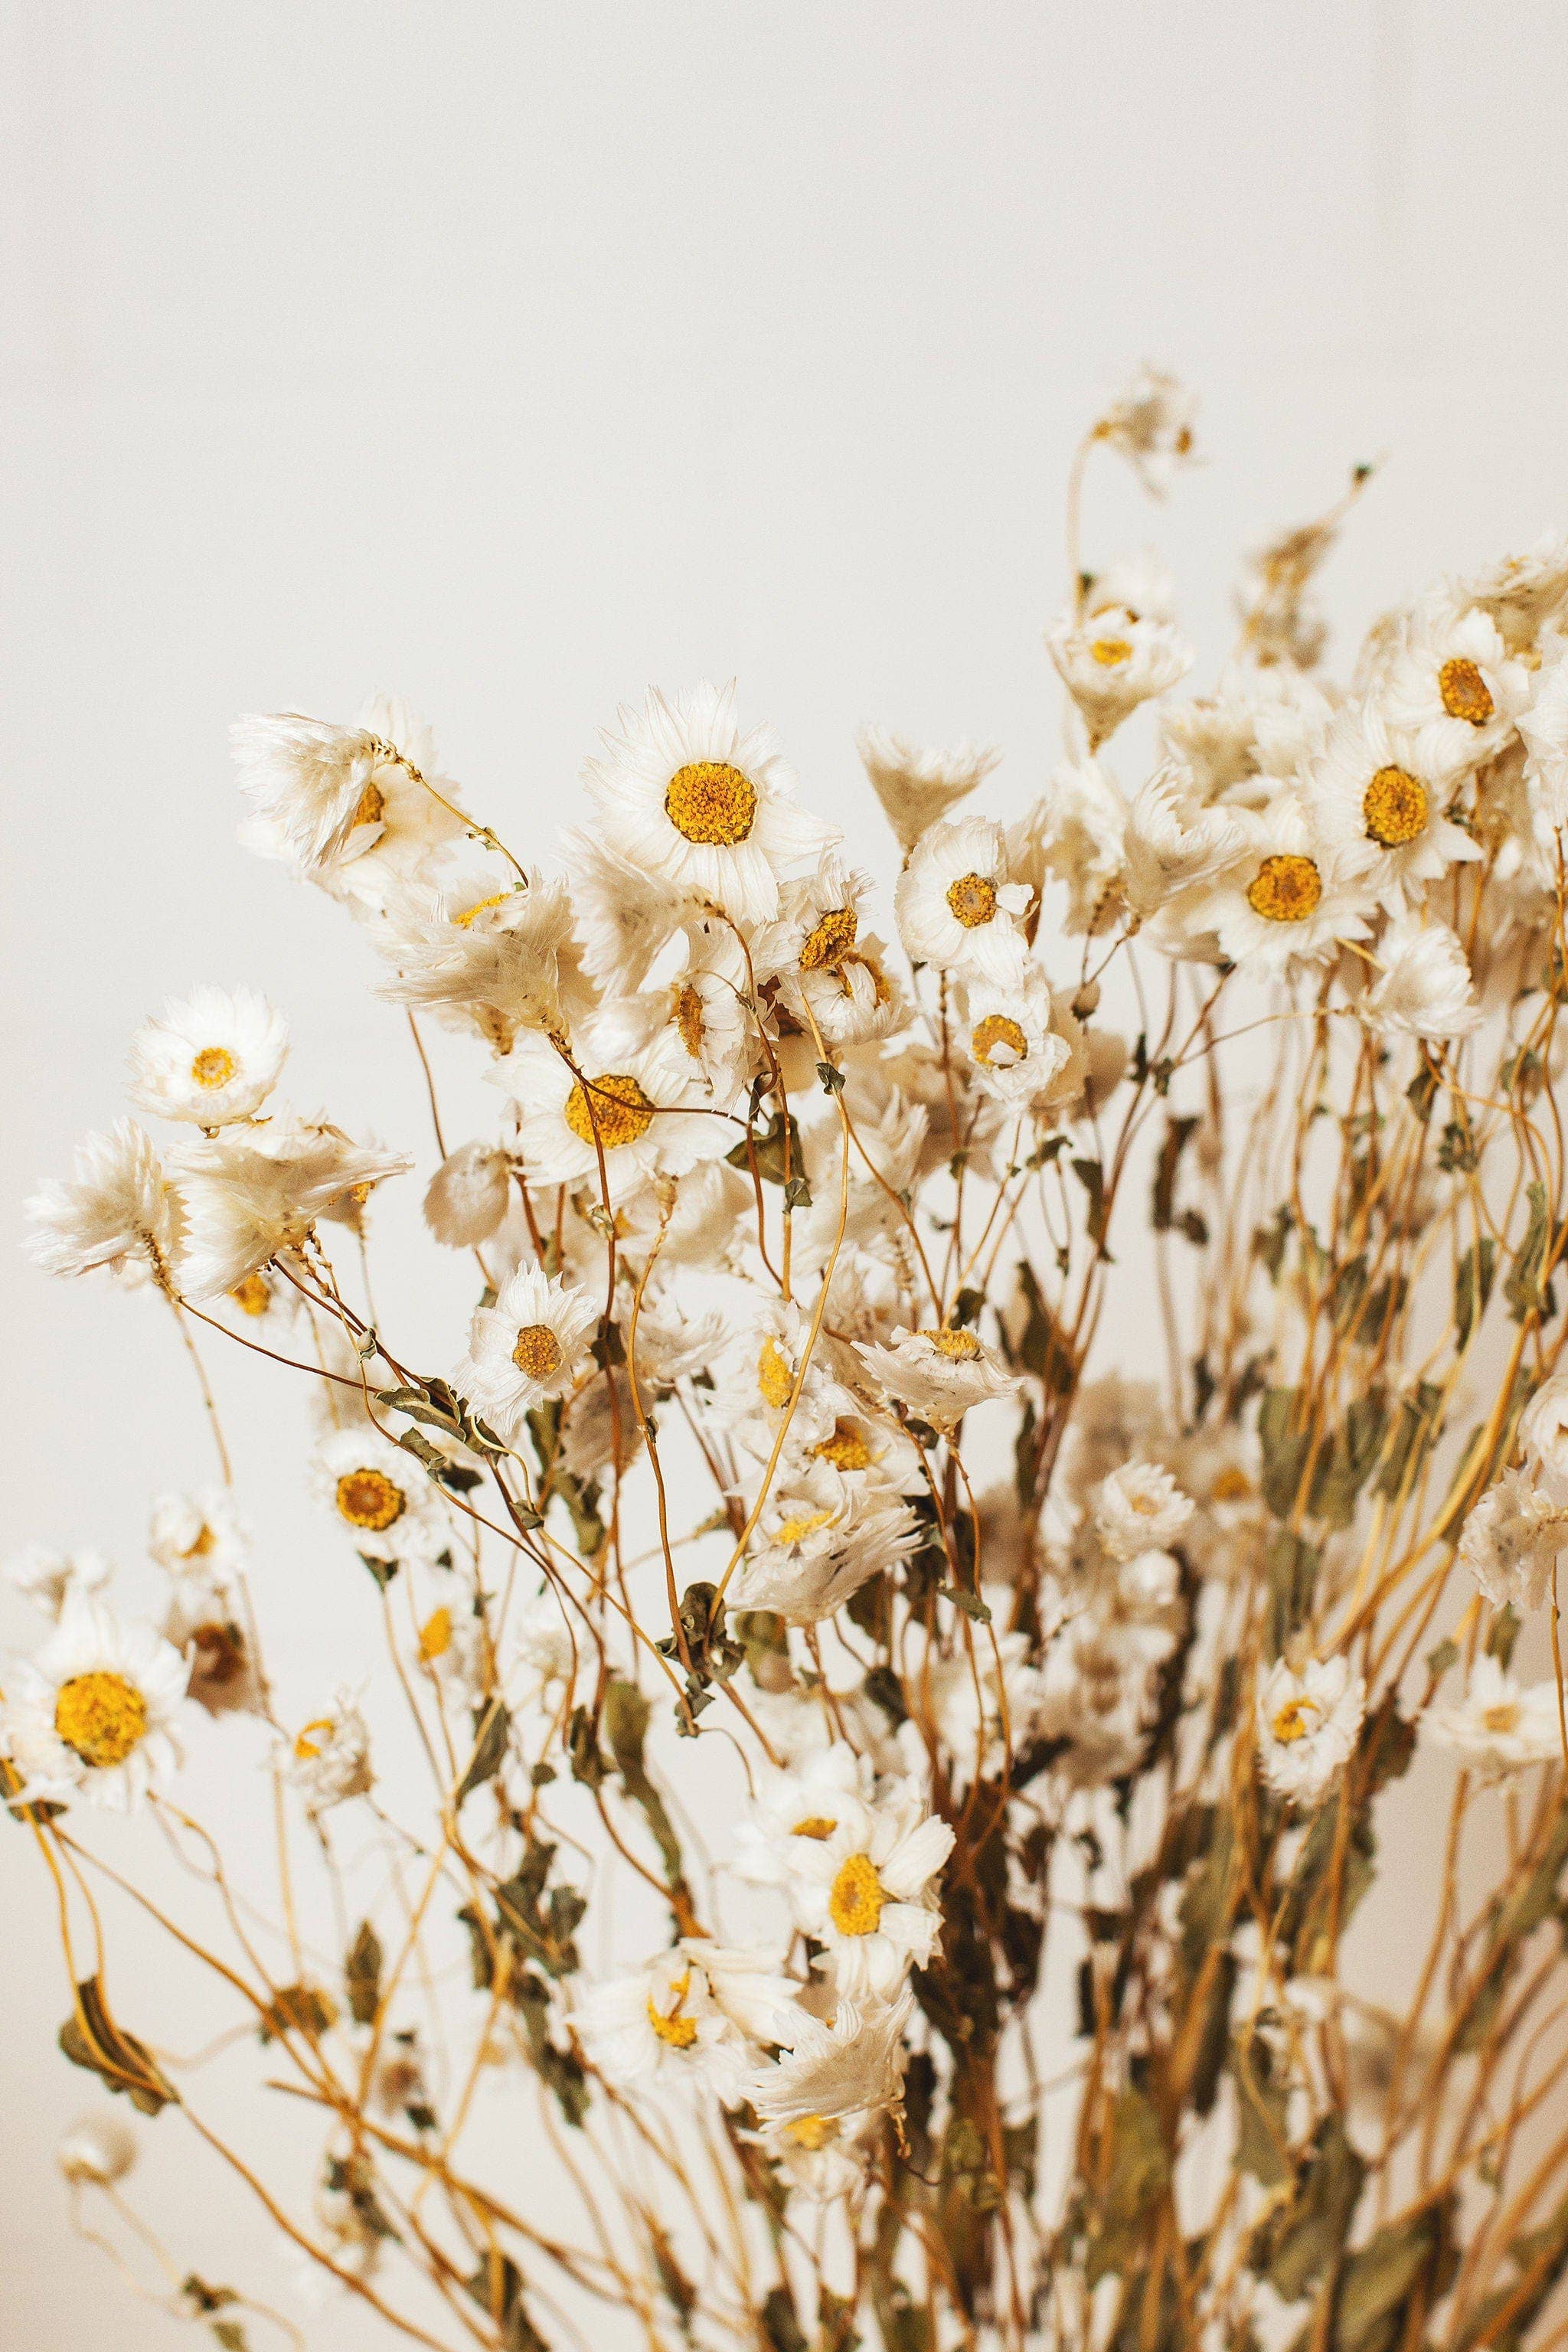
692 803
525 1348
917 788
699 2014
50 1578
818 1542
1138 1508
480 957
248 1197
831 2070
210 1058
1150 423
92 1715
801 1802
827 968
329 1759
1424 989
1376 795
642 1107
867 1890
1307 1724
381 1496
119 1212
1498 1727
1111 662
353 807
939 1373
467 1198
956 904
200 1533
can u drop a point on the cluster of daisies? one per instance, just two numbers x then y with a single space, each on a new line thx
738 1131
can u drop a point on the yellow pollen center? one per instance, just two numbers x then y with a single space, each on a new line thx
614 1105
1465 692
775 1381
881 987
536 1351
436 1635
214 1066
371 806
1110 652
1285 889
1232 1485
831 942
958 1346
997 1029
689 1020
367 1498
812 2131
307 1748
101 1715
206 1542
480 907
1293 1721
676 2031
252 1295
855 1904
794 1531
815 1825
847 1449
972 899
1394 807
1504 1716
712 803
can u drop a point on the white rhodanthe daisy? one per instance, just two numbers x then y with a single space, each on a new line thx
381 1496
697 2015
689 801
119 1212
644 1107
827 2069
1150 423
1019 1058
957 906
1454 686
939 1374
1285 899
918 787
483 952
1424 989
527 1347
91 1715
1498 1727
1139 1508
826 967
355 808
866 1891
50 1578
210 1058
1543 1433
248 1197
469 1196
1076 835
1111 662
200 1533
819 1541
1513 1535
1381 802
329 1759
1307 1724
803 1802
1173 839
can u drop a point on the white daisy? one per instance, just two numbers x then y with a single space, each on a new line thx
1140 583
692 803
355 808
822 959
1109 663
1019 1057
1285 900
1150 423
702 1006
800 1802
1512 1536
527 1347
818 1542
1307 1724
246 1197
329 1759
1522 594
1173 839
119 1212
210 1058
852 2065
697 2015
1374 791
482 957
467 1198
643 1107
866 1891
1139 1508
915 787
624 916
1424 989
938 1374
1544 728
983 1695
956 905
201 1534
1075 833
1498 1727
50 1578
381 1496
91 1716
1453 686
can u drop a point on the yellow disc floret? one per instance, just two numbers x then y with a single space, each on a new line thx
775 1381
812 2131
972 899
711 802
101 1715
689 1020
1285 889
1395 808
371 806
536 1351
614 1105
1293 1721
958 1346
997 1029
214 1066
825 947
1465 692
855 1900
436 1634
676 2031
252 1295
816 1826
367 1498
480 907
847 1448
1110 652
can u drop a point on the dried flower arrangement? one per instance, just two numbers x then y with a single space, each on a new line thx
968 1757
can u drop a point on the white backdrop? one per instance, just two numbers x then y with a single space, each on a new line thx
512 358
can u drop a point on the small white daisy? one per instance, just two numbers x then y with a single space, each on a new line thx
800 1802
1512 1536
211 1058
119 1212
467 1198
1150 423
1110 662
200 1534
48 1577
1453 686
91 1716
956 905
1375 795
1307 1724
818 1542
828 2070
1139 1508
527 1347
1285 899
939 1374
1424 989
698 2015
249 1196
825 962
1498 1727
866 1891
1019 1057
917 787
381 1496
642 1107
483 954
329 1759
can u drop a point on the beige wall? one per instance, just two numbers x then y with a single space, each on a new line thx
512 357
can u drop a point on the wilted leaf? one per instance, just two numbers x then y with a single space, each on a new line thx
90 2038
361 1970
492 1727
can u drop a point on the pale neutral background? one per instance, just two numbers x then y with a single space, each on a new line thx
513 357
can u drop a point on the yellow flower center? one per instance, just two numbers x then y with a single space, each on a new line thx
1465 692
712 803
855 1903
676 2031
794 1531
775 1378
881 987
1285 889
214 1066
101 1715
479 907
1232 1485
997 1029
816 1826
436 1635
1293 1721
812 2131
689 1020
1504 1716
1394 807
1110 652
972 899
536 1351
307 1748
847 1448
371 806
367 1498
958 1346
614 1105
252 1295
206 1542
831 942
